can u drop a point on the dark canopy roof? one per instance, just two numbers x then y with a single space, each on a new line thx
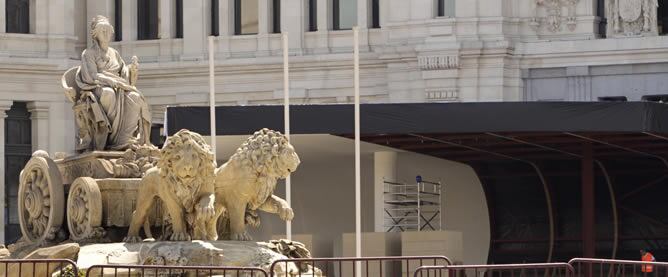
446 118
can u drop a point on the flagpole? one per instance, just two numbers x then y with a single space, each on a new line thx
212 99
286 118
358 208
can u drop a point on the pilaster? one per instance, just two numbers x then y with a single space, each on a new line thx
195 18
3 19
4 106
264 27
98 7
39 116
167 28
292 21
129 18
579 83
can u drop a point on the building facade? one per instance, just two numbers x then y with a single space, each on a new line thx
411 51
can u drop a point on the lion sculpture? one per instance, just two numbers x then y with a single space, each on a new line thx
183 179
247 181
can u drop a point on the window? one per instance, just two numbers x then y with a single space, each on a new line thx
178 7
276 16
118 20
17 16
345 14
312 15
441 8
662 16
375 14
147 17
245 17
215 9
445 8
600 12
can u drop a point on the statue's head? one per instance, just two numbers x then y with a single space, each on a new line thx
101 31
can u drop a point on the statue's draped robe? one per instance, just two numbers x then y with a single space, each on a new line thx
126 111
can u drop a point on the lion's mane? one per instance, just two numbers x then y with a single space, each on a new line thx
261 153
205 173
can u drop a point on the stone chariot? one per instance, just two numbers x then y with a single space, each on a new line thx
91 192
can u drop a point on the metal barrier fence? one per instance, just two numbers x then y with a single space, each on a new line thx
170 271
350 267
612 268
38 268
519 270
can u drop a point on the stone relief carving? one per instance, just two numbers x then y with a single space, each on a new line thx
632 17
184 181
247 181
554 17
110 112
438 62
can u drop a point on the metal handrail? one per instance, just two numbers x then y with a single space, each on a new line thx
356 261
160 269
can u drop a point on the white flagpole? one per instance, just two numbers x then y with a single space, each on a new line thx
356 84
286 117
212 99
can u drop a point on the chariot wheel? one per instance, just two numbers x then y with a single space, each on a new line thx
41 199
84 209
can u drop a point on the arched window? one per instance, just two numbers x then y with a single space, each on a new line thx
17 16
147 19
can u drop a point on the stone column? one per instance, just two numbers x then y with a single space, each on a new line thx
3 20
39 116
384 169
39 11
60 27
195 18
4 106
226 17
129 18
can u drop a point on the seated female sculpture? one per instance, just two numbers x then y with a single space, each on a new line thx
115 115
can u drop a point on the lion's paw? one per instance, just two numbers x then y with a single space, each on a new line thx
286 213
241 236
132 239
179 236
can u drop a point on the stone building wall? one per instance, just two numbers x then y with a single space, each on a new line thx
478 50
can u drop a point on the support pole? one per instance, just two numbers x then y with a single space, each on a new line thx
588 217
286 118
358 208
212 99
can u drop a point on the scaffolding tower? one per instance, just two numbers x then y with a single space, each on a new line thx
412 207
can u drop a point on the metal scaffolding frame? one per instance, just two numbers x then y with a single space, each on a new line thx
412 207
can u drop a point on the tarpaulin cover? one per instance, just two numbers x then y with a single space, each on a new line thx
429 118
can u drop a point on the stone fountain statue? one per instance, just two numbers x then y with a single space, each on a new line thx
110 111
118 179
